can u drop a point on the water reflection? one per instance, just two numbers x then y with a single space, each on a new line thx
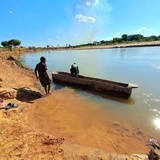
86 93
130 65
156 111
157 123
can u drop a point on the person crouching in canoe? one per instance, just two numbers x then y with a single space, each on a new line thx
74 70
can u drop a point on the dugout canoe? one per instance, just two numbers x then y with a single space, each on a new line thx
112 88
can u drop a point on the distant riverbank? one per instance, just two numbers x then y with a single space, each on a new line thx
126 45
29 128
19 51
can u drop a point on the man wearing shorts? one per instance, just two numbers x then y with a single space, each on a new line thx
42 75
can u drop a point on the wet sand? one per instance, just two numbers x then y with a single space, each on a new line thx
36 129
65 114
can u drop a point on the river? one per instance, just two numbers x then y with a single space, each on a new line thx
139 65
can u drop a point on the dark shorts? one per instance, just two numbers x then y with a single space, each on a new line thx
44 81
73 71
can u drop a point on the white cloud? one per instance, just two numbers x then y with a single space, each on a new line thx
82 18
143 29
97 13
99 9
89 2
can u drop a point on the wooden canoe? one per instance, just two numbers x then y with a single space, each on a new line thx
117 89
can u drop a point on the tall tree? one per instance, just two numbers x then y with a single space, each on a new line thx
4 43
14 42
124 37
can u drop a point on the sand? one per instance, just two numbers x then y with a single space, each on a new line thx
56 127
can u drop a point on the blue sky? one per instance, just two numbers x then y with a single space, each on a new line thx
62 22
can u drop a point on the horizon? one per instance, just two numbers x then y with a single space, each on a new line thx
69 22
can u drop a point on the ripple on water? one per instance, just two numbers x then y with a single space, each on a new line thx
156 111
157 123
150 99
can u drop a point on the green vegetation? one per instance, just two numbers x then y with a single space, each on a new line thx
18 61
124 40
11 43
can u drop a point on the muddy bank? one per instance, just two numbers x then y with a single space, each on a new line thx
17 140
83 123
53 127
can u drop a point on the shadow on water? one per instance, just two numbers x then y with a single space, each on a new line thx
129 101
58 86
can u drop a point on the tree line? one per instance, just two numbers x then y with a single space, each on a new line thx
11 43
124 39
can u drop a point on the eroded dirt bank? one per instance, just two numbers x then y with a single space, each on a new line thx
17 140
53 127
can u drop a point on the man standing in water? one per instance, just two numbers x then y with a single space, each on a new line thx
42 75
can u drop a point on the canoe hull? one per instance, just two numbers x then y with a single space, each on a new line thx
94 84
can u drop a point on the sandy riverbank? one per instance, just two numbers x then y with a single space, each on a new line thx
133 44
19 51
40 128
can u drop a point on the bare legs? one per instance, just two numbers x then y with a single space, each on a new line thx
47 88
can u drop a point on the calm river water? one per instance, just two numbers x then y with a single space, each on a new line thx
131 65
